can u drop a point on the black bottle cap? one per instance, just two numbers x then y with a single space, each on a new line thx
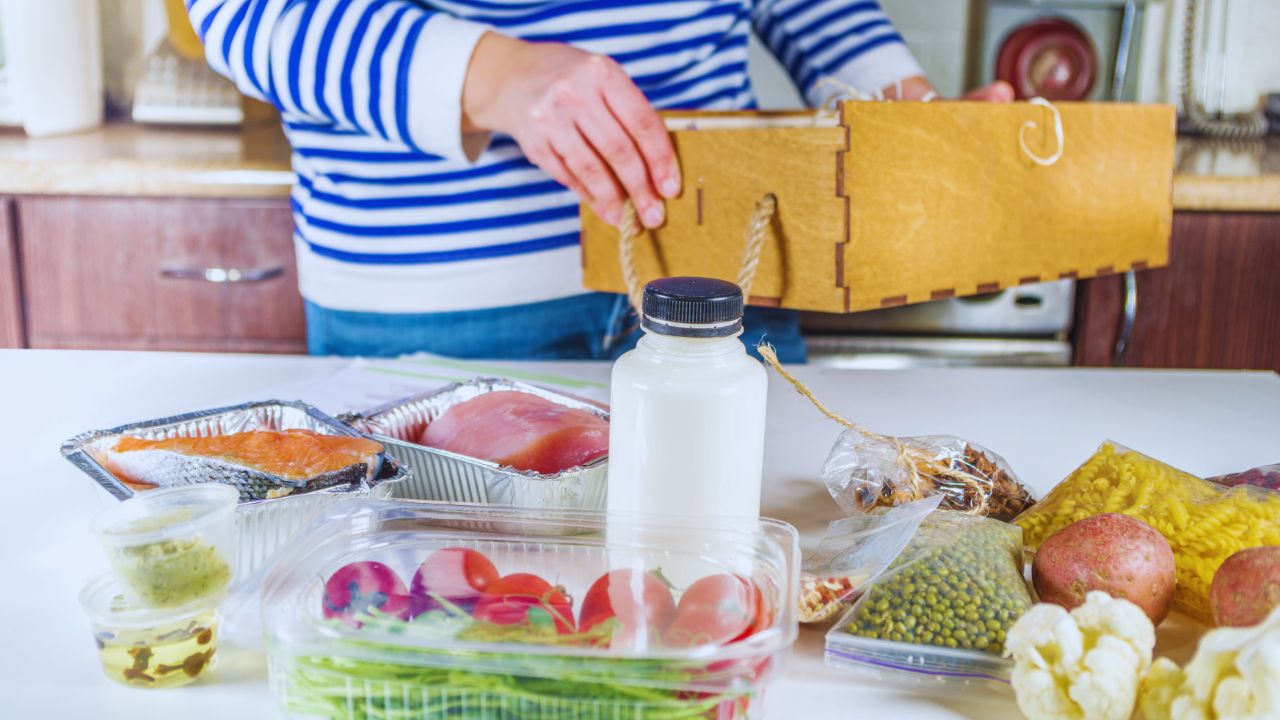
692 307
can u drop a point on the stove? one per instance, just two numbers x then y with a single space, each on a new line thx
1028 325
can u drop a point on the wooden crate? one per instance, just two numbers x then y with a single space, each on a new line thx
896 203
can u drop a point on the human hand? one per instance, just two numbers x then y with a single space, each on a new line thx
998 91
918 88
579 117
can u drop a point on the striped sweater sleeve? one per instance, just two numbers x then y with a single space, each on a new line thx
386 68
849 40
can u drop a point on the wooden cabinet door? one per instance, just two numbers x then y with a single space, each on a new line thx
12 332
1216 305
160 273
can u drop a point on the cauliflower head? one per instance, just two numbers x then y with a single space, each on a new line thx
1234 675
1081 665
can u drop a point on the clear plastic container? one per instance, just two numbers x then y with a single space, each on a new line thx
443 633
148 647
173 546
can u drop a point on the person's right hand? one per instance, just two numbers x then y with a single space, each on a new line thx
579 117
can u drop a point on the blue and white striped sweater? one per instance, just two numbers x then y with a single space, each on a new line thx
397 211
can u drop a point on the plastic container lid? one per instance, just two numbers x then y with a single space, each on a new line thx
158 515
571 550
104 602
692 307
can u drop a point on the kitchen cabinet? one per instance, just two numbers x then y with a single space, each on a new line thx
1216 305
12 333
159 273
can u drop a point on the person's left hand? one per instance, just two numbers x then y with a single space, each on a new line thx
998 91
919 88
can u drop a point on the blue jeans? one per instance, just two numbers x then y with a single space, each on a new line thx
593 326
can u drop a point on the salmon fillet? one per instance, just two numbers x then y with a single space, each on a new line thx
289 454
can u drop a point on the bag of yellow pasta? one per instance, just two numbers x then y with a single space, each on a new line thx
1203 522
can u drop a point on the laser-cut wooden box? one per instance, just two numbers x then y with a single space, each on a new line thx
896 203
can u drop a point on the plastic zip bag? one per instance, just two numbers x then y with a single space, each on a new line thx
1204 523
865 470
1264 476
853 552
941 610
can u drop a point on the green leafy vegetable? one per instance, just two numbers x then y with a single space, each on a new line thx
333 686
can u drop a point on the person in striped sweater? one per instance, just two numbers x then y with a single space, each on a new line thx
441 148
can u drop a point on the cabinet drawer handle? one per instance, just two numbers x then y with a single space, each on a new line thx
222 275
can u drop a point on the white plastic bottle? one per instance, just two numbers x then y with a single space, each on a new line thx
687 408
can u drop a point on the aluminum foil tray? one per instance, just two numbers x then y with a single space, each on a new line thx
265 524
443 476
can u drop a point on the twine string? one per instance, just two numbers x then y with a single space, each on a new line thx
628 231
754 246
909 458
1056 155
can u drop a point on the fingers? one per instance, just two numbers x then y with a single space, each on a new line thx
645 126
998 91
618 149
589 127
600 188
544 157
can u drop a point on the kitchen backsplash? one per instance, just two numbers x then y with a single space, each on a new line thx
938 32
130 29
1241 62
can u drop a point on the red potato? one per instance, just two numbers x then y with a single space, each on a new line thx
1246 587
1116 554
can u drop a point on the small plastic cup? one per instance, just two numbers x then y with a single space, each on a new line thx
173 546
148 647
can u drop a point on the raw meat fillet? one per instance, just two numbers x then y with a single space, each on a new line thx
520 430
260 463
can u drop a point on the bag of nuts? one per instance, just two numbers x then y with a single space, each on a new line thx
866 471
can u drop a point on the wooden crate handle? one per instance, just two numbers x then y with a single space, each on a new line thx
629 230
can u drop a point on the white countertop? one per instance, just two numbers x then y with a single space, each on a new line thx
1045 422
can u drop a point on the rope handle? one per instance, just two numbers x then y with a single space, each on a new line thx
629 229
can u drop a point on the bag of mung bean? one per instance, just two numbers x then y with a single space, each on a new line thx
942 608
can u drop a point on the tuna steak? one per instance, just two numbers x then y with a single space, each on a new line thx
521 431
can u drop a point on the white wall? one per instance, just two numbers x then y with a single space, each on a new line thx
1236 63
937 31
773 87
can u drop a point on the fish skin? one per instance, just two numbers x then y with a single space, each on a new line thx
165 468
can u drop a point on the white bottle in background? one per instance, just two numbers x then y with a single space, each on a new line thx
687 408
53 54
